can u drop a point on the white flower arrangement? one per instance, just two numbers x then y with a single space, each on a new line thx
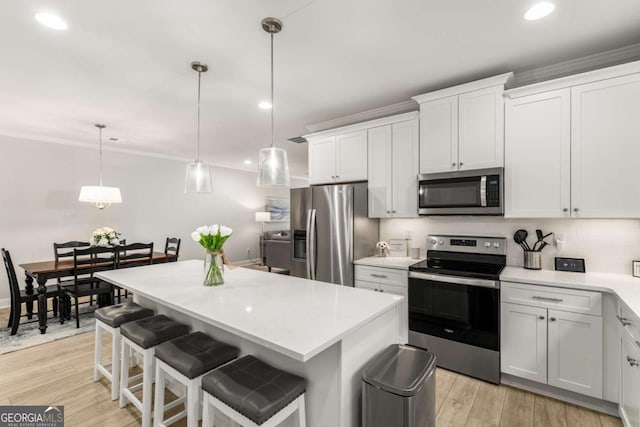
105 236
212 238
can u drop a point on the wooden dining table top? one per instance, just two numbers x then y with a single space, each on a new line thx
52 267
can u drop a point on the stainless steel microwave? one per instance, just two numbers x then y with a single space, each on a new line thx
472 192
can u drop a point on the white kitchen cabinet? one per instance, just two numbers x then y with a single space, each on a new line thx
538 155
462 127
630 381
575 352
393 169
605 149
387 280
341 158
524 341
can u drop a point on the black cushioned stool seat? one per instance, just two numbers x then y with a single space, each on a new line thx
152 331
253 388
117 315
194 354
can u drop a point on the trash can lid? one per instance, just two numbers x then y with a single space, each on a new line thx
399 369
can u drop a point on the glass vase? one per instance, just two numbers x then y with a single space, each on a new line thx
213 269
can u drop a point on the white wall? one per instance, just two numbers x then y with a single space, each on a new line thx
606 245
39 202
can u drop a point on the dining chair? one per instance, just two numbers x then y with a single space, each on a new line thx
20 296
86 262
133 255
62 251
172 247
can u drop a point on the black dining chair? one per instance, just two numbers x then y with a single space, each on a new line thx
172 247
20 296
64 251
86 262
133 255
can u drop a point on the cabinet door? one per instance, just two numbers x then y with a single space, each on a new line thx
630 381
379 172
404 322
322 160
538 156
406 146
606 148
352 157
439 135
524 341
481 128
575 352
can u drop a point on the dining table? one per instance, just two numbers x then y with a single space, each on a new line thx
42 271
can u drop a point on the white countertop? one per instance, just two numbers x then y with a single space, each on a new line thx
297 317
399 263
626 287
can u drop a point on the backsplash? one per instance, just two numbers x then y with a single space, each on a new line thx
607 246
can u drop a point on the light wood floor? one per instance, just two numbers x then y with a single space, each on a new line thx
61 373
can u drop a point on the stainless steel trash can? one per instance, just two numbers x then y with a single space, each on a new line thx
398 388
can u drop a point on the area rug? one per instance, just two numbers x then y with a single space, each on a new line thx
29 335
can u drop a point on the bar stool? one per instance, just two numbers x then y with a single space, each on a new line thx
143 336
110 319
253 393
186 359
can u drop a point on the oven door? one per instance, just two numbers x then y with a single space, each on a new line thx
477 192
455 308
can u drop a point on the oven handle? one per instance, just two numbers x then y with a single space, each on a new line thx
485 283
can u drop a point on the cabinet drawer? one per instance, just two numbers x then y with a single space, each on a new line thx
388 276
629 320
572 300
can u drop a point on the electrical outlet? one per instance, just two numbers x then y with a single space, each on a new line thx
636 268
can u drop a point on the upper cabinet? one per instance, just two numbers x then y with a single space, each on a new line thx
340 158
393 170
571 147
462 127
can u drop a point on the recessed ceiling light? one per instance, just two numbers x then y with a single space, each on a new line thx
247 162
265 105
50 20
539 10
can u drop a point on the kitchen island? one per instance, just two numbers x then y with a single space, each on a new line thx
323 332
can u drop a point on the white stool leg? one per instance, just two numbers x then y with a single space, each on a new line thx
147 383
124 379
302 421
207 411
193 403
158 414
115 364
97 357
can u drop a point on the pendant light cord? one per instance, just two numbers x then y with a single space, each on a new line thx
100 133
198 133
272 139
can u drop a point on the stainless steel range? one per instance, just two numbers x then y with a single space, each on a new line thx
454 303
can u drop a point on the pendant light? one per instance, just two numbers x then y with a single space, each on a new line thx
273 167
198 178
99 196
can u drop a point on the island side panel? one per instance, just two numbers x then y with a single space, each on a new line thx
324 382
357 349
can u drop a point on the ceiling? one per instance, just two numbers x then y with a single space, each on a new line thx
126 63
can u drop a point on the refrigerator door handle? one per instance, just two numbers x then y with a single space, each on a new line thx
311 255
308 245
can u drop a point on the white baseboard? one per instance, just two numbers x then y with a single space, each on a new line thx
5 302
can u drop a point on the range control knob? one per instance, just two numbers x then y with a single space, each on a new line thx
433 241
441 242
496 244
487 244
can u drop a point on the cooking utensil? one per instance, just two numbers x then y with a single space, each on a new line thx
520 237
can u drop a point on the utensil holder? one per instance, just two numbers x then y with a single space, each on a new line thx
532 260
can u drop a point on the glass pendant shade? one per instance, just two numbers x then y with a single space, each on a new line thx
273 169
198 178
99 196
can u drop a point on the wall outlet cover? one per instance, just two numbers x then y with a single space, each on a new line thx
636 268
575 265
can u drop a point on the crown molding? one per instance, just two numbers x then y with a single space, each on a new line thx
387 120
499 80
376 113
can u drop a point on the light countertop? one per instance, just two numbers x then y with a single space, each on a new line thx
625 287
296 317
399 263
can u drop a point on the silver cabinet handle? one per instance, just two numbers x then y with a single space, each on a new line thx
461 164
565 209
576 209
553 319
453 164
388 212
632 361
541 317
547 299
393 211
381 290
624 321
381 276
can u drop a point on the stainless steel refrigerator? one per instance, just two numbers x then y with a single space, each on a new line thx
330 229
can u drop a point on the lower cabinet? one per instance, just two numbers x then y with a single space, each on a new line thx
630 381
550 346
390 281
